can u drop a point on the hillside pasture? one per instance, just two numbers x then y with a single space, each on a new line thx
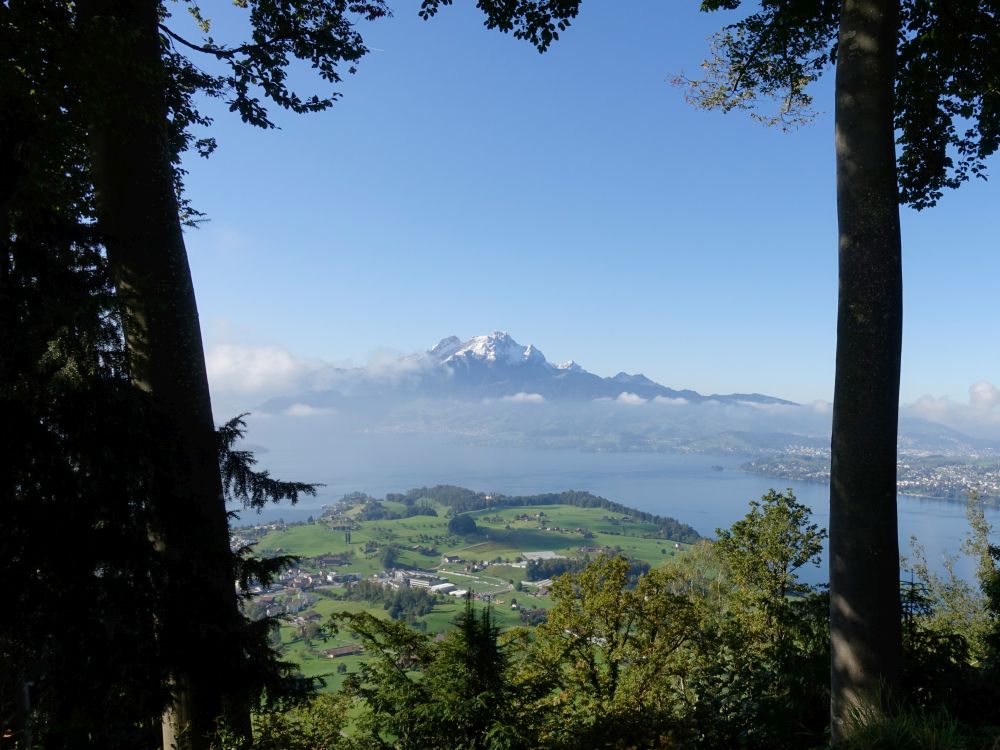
504 534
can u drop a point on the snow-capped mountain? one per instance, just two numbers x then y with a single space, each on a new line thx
495 349
491 390
494 366
497 366
570 366
445 348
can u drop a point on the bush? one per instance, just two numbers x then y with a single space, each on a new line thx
909 729
462 525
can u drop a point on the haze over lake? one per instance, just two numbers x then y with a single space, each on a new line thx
684 486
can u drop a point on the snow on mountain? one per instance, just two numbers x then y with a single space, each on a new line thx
497 348
497 366
446 347
494 366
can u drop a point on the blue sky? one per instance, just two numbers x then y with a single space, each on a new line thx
466 183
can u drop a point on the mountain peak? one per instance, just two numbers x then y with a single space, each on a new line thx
639 379
493 349
570 366
446 347
495 366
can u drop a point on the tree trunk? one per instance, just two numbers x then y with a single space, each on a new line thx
864 551
124 98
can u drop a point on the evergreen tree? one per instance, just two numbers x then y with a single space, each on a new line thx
80 664
83 663
130 88
472 698
456 694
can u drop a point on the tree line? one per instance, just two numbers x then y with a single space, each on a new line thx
404 604
462 500
539 570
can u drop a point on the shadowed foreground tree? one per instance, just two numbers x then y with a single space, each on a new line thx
84 662
922 76
79 661
134 96
135 93
455 693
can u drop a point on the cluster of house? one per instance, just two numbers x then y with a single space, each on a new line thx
288 594
284 603
301 580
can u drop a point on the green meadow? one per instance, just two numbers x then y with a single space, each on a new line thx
503 537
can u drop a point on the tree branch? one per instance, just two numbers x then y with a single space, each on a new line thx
222 54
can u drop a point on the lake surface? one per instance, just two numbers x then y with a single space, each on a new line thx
686 487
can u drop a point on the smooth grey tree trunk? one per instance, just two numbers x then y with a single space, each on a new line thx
123 86
864 551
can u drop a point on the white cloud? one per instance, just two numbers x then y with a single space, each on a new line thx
388 364
983 395
769 407
630 398
821 407
679 401
233 368
980 416
934 409
304 410
525 398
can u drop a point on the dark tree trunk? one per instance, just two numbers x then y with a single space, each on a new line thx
864 551
124 101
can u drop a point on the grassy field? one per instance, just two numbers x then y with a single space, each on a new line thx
559 528
312 660
420 542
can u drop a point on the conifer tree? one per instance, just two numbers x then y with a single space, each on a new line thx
83 662
136 89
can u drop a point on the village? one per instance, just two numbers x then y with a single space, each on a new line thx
414 559
917 473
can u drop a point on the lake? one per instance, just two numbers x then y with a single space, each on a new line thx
686 487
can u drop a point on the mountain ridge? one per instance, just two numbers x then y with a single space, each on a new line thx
491 390
495 365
